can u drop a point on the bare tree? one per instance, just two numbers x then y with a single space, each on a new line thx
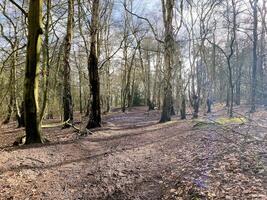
46 58
67 97
254 5
32 121
95 108
167 9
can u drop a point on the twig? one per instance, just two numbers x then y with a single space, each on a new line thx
34 159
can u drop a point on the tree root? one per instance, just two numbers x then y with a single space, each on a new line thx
22 141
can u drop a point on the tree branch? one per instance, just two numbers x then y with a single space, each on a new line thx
19 7
149 23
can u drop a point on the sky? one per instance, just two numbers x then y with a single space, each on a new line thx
144 8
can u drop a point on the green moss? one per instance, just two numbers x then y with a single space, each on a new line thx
201 123
233 120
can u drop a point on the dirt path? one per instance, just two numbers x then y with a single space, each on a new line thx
132 157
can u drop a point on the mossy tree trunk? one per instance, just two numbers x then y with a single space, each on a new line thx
46 59
32 122
95 109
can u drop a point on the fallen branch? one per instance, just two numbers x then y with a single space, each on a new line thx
66 123
83 132
56 125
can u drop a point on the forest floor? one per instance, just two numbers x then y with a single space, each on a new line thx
134 157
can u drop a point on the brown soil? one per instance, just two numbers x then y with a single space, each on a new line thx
134 157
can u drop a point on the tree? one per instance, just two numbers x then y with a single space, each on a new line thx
167 9
228 54
95 109
254 5
262 57
46 56
32 121
67 97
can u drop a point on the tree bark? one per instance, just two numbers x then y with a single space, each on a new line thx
32 122
95 109
12 85
183 108
262 59
255 59
156 85
167 7
46 56
67 97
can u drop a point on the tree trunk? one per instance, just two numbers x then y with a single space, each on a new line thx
231 88
156 85
148 84
183 108
133 87
254 66
261 65
33 133
238 76
46 57
238 86
11 97
262 61
108 88
67 97
167 7
79 68
128 81
95 109
195 106
124 74
21 115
